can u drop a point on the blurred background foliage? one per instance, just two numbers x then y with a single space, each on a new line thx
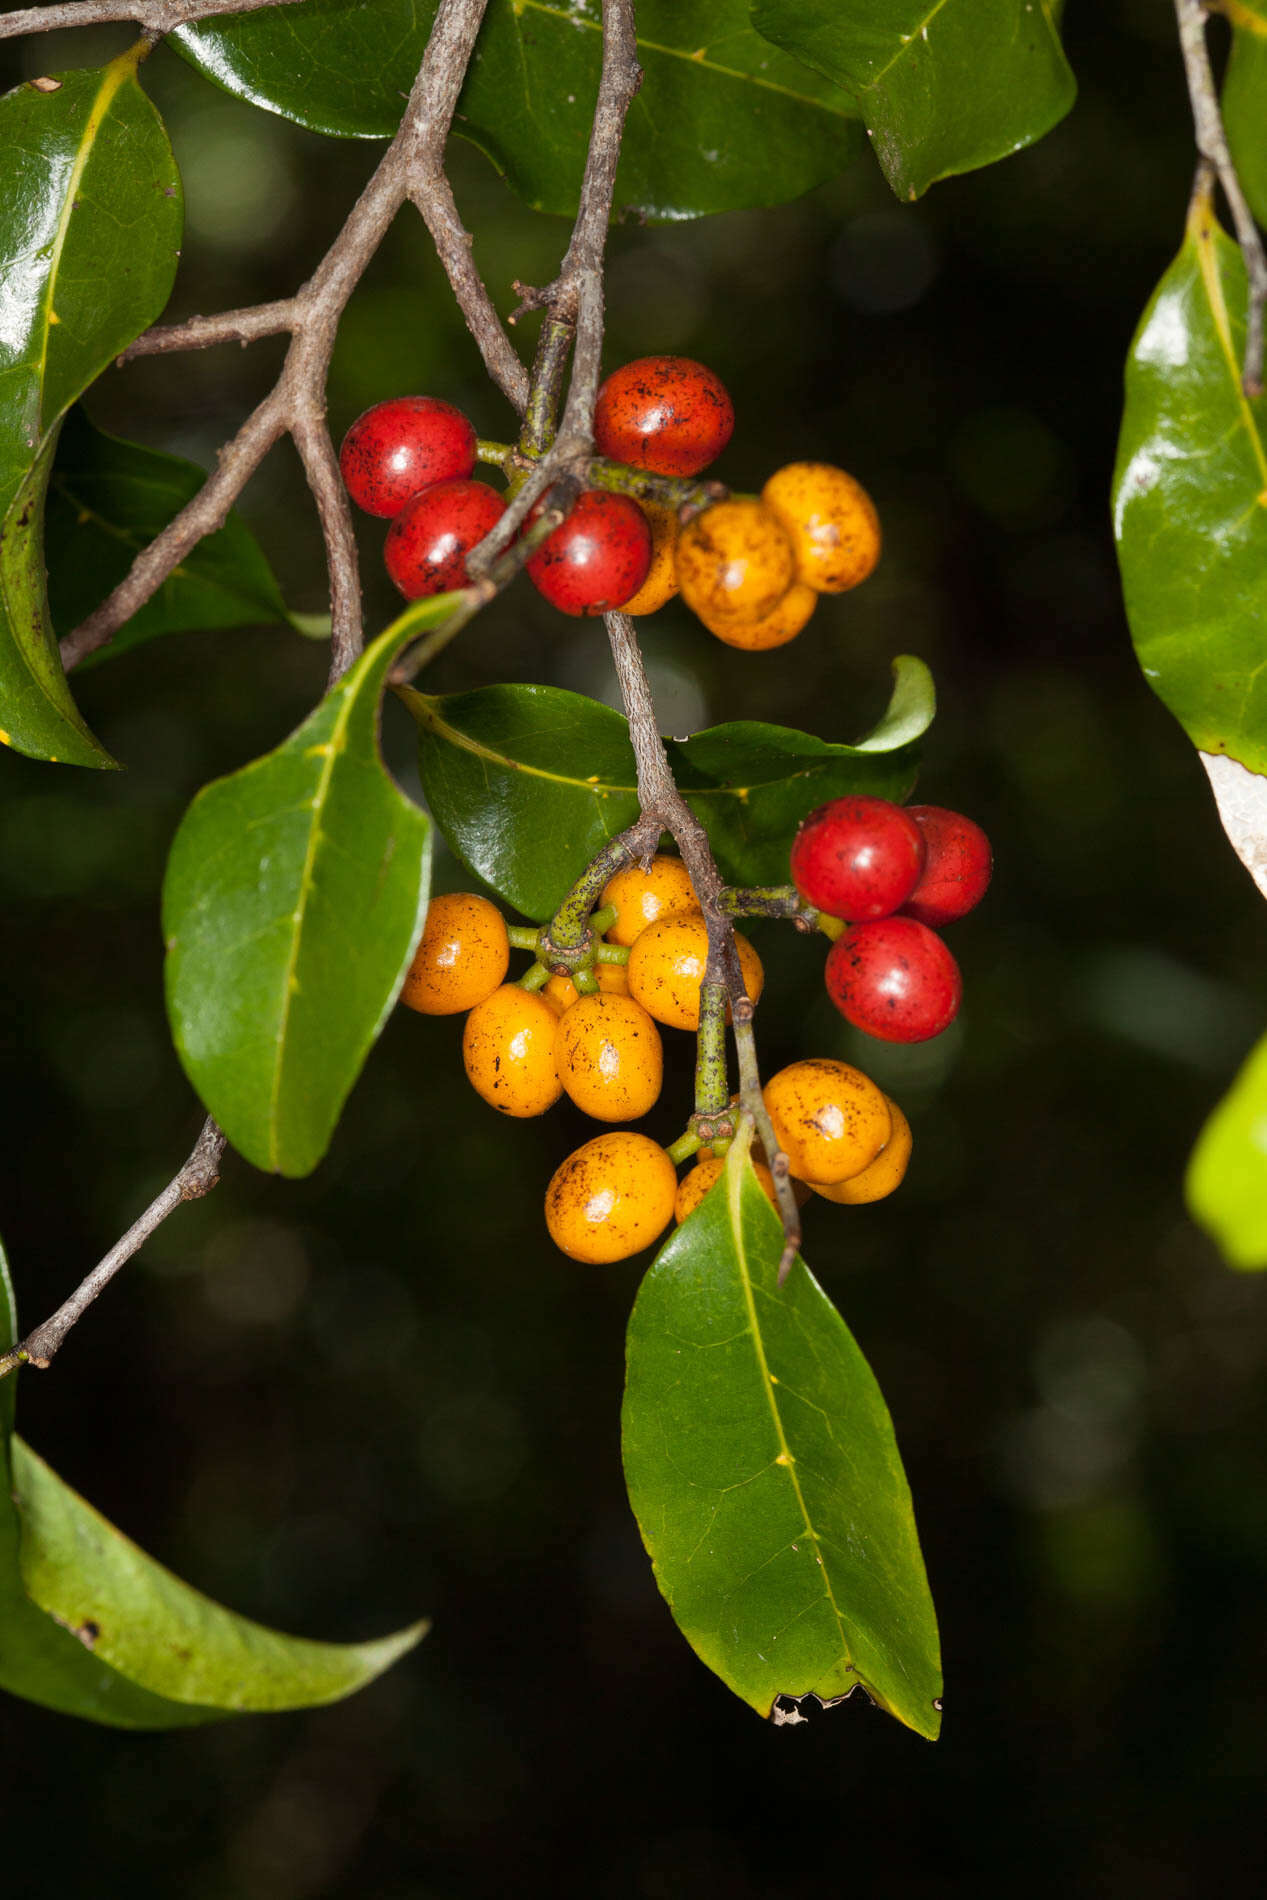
340 1402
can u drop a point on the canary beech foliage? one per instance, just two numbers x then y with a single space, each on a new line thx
761 1460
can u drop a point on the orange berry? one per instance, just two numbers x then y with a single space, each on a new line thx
829 1118
694 1186
666 967
885 1173
612 1198
638 897
508 1047
735 560
463 956
562 991
783 622
832 523
611 1061
661 583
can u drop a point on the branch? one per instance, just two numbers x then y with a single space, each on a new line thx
296 404
198 1176
154 16
1217 159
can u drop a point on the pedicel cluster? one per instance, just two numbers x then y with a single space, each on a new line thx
752 568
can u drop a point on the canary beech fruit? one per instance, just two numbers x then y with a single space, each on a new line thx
611 1061
429 540
595 560
508 1047
895 979
734 562
858 857
886 1172
665 413
783 622
694 1186
462 958
956 869
402 446
661 582
639 897
562 992
831 522
612 1198
666 967
830 1119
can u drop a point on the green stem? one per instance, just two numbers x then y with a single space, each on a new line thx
712 1091
523 936
585 980
609 952
768 900
670 491
546 385
602 921
683 1148
497 454
570 925
535 977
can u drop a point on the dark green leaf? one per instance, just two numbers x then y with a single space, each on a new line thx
942 87
1245 102
107 500
93 1627
723 119
1190 500
764 1474
90 220
295 894
1227 1175
527 783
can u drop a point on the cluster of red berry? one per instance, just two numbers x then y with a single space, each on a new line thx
894 874
752 568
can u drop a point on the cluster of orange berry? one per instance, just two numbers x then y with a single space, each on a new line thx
524 1047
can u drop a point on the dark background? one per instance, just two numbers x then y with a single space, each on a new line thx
341 1402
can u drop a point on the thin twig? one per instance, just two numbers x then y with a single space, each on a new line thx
1211 140
154 16
230 326
296 404
433 195
198 1176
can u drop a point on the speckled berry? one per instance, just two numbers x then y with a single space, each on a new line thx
429 540
661 582
829 1118
956 870
399 447
858 857
831 520
612 1198
734 562
783 622
669 414
597 559
886 1172
462 958
895 979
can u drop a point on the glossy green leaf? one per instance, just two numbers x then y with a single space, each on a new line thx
943 86
1227 1175
1245 102
1190 501
527 783
764 1474
294 897
108 499
90 222
91 1626
723 119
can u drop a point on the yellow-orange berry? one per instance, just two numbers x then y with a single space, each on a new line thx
508 1047
612 1198
830 1119
694 1186
735 560
463 956
885 1173
610 1057
783 622
562 991
832 523
638 897
661 583
666 967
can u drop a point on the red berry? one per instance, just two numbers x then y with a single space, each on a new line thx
665 413
597 559
859 857
401 446
894 978
957 869
428 542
